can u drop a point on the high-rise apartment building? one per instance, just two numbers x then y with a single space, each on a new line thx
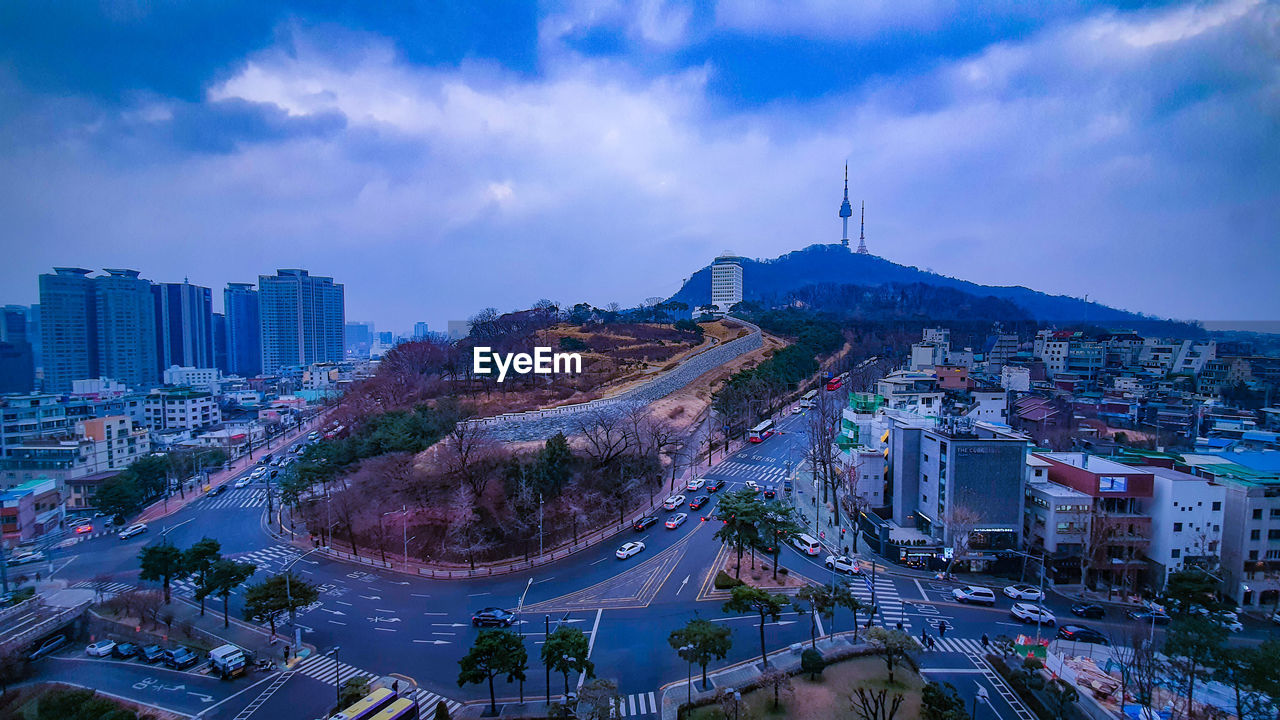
17 365
726 282
244 334
302 319
220 343
420 331
184 325
68 328
126 320
359 338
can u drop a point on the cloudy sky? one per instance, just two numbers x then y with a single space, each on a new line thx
440 157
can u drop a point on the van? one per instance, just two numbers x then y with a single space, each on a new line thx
228 661
806 544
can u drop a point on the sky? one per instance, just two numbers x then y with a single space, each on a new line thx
441 157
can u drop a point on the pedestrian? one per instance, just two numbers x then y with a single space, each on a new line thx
924 636
287 651
899 626
986 641
942 628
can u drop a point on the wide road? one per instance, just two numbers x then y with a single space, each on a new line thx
386 622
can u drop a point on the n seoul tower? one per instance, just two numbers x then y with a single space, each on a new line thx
846 210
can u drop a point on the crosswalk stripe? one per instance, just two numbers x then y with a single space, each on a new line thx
322 668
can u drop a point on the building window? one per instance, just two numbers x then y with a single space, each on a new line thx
1176 553
1217 506
1255 534
1257 513
1177 527
1273 534
1275 512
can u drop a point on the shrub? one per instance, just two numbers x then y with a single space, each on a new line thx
725 581
811 662
572 343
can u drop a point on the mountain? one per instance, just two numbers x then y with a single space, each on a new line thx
780 280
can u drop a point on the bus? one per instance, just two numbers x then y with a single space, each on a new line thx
367 706
808 399
402 709
761 431
835 382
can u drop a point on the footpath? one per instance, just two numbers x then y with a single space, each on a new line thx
168 506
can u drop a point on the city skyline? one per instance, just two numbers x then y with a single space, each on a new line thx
438 165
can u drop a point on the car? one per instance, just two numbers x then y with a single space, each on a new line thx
843 563
695 484
1157 617
751 485
644 523
216 491
124 650
1228 620
1028 613
715 485
699 502
102 648
786 485
22 558
180 657
1275 617
1088 610
79 521
242 483
1024 592
673 502
492 617
770 493
676 520
151 654
134 529
82 529
1082 633
48 646
974 594
629 549
258 472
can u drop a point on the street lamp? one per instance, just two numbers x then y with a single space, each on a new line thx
520 606
546 665
689 659
337 673
404 530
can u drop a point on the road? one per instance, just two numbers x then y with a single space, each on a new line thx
391 623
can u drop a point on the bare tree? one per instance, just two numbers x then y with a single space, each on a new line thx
606 435
821 452
876 704
855 498
961 522
467 453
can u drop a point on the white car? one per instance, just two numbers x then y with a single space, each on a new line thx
974 594
102 648
258 472
134 529
1024 592
676 520
752 485
629 549
695 484
23 558
843 563
673 502
243 482
1028 613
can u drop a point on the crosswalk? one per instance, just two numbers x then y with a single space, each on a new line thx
327 670
636 705
235 499
269 561
105 588
968 646
738 470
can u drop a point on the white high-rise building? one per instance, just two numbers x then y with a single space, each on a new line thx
726 282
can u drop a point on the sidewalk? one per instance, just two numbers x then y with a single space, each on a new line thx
165 507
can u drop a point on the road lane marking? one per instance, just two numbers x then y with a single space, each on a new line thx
385 629
600 560
478 594
335 622
591 643
421 595
923 594
340 602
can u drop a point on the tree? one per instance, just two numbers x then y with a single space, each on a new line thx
777 525
13 668
706 641
779 681
1191 588
442 711
817 600
1191 644
267 600
565 651
745 599
162 563
353 689
1059 695
894 647
961 522
598 700
118 496
1244 670
940 701
495 652
812 663
842 596
876 704
223 578
740 511
199 560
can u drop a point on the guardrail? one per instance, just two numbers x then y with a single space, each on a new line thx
47 625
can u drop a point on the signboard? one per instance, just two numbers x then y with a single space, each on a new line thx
948 552
1113 483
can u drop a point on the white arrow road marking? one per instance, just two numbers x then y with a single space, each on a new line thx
332 612
384 610
203 698
399 582
434 613
434 642
683 582
421 595
370 597
379 618
448 624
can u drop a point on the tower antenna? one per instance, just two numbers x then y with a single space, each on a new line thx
846 210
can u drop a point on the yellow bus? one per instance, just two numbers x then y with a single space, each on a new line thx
368 706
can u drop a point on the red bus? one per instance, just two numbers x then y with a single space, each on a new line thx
835 382
761 431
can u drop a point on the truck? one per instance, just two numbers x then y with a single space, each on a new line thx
228 661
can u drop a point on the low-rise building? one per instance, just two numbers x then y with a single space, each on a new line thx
181 409
913 392
116 442
1056 523
30 510
1186 522
206 379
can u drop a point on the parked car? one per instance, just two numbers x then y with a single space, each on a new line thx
102 648
1082 633
1275 617
695 484
676 520
843 563
1024 592
134 529
1028 613
673 502
48 646
492 617
180 657
715 485
698 502
151 654
1159 617
1088 610
644 523
124 650
629 549
974 594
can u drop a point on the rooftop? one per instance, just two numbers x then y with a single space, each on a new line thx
1053 489
1092 463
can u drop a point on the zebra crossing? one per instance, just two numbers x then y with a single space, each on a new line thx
235 499
105 588
270 559
636 705
739 470
327 670
886 598
969 646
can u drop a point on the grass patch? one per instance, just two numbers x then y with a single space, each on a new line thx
828 697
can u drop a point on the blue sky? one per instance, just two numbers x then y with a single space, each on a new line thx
441 157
